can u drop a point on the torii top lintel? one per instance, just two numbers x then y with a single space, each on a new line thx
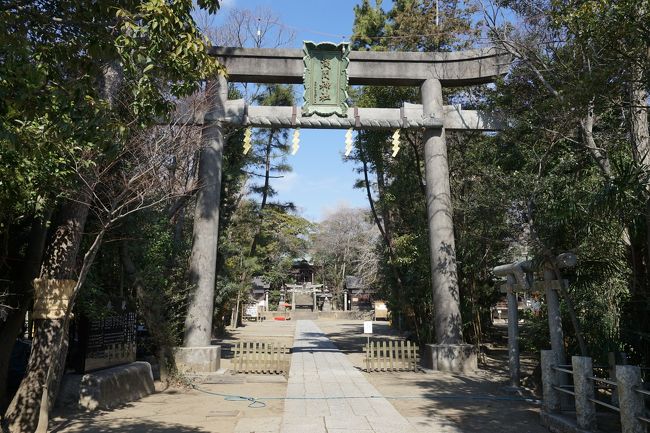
285 66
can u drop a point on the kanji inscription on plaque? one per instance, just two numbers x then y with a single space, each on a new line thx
326 78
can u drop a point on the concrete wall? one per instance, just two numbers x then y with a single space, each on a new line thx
107 388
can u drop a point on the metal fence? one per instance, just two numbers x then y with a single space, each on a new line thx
391 355
260 357
626 387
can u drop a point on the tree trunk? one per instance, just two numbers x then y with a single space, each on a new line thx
235 322
587 126
385 211
50 343
384 235
640 137
12 326
265 190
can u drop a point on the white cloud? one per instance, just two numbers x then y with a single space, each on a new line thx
285 184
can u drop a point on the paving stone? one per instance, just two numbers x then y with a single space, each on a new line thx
389 424
339 408
317 409
303 425
383 407
348 422
347 430
319 369
362 407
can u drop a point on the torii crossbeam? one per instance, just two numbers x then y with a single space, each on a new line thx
319 70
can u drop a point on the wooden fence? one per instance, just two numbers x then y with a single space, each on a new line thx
391 355
260 357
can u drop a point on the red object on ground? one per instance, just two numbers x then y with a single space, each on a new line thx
279 318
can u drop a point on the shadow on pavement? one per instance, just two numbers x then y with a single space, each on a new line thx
128 425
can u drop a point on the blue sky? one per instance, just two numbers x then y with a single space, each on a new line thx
320 180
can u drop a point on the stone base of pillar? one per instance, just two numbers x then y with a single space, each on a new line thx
206 359
455 358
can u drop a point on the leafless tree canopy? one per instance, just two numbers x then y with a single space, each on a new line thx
256 28
345 243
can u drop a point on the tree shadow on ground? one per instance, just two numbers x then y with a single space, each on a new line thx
484 404
90 424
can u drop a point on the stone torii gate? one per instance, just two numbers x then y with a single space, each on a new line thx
325 107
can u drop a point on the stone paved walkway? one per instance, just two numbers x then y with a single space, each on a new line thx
327 394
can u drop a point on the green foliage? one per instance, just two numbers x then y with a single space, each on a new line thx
533 189
397 184
75 77
274 299
572 199
282 237
79 83
162 53
410 25
268 157
160 256
369 26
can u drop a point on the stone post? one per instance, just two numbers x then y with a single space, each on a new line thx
293 300
345 300
584 392
202 275
631 402
448 324
315 305
266 300
549 380
513 332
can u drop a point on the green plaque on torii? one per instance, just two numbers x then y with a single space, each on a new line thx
326 78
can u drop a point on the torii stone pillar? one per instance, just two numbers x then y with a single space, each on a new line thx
197 354
449 354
